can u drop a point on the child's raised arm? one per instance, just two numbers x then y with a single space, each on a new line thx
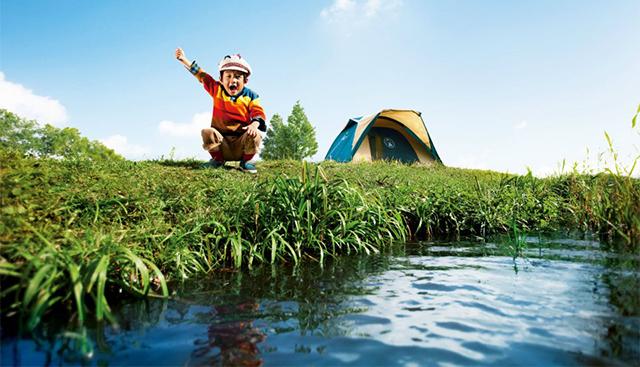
204 78
182 58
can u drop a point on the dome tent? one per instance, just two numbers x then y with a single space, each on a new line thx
388 135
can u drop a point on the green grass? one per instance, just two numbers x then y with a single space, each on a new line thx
76 234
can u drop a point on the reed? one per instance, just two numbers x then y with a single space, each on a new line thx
312 215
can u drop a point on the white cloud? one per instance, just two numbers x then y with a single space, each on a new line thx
521 125
23 102
372 7
349 10
121 145
337 9
198 122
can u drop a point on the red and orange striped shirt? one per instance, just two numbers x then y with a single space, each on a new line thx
231 113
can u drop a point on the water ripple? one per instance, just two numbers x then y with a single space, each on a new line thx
435 305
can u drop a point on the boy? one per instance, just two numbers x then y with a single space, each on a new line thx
237 113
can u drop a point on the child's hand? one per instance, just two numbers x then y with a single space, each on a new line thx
180 54
252 130
182 58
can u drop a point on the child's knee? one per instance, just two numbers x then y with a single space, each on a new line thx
257 139
252 144
211 139
253 141
207 131
210 134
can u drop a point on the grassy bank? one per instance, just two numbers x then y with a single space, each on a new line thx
81 227
77 233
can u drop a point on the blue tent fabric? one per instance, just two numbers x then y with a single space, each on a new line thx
341 149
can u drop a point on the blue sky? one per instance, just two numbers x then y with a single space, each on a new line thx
502 85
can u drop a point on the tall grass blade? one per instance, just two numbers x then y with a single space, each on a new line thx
160 279
36 283
78 291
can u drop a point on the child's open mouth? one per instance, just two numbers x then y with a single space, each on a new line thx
233 88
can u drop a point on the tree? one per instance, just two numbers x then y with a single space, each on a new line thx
294 140
27 137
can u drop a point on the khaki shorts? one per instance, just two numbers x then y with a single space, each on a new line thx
232 147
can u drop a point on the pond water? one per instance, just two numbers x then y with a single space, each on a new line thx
568 302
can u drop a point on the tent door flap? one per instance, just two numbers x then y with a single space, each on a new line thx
389 144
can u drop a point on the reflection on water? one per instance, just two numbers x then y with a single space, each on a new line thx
569 302
231 337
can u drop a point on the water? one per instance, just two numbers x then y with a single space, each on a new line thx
570 302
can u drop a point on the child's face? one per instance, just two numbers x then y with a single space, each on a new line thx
233 81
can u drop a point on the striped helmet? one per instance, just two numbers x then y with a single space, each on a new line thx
234 62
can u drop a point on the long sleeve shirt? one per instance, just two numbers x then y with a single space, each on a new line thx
231 113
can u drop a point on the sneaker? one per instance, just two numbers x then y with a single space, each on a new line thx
213 164
248 167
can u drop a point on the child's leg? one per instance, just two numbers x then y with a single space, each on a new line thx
232 148
250 145
227 148
211 142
